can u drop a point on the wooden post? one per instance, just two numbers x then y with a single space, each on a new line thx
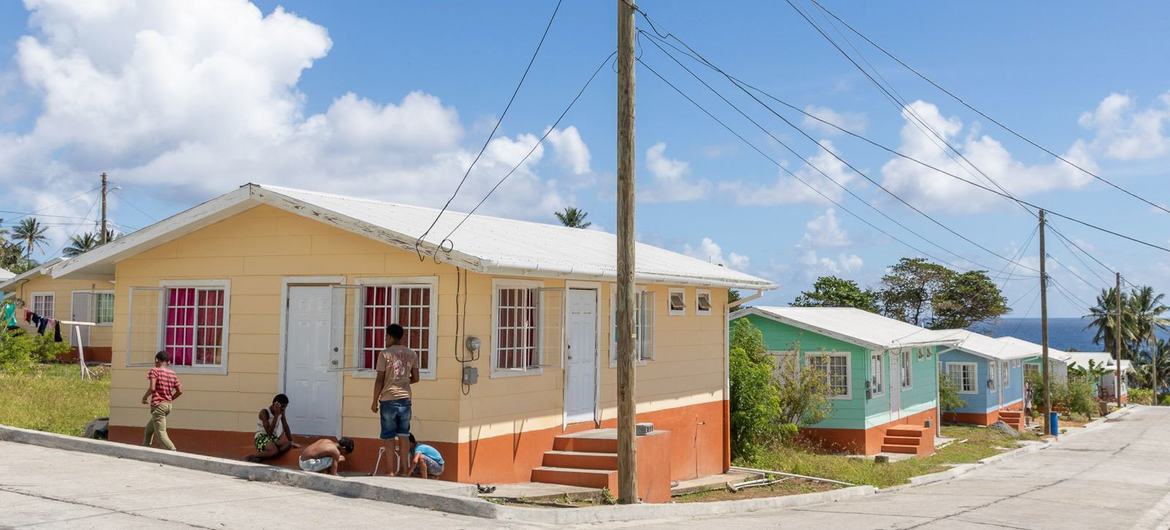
105 188
1044 331
1117 347
626 421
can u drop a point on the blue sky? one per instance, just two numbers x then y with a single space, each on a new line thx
173 131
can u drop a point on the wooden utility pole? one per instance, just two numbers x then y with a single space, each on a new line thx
626 421
1044 330
105 189
1117 346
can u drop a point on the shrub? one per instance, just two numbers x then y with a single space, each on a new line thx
802 395
1080 397
948 394
1165 401
754 402
19 351
1141 396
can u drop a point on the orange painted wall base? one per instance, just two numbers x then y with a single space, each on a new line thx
696 447
983 419
93 354
862 441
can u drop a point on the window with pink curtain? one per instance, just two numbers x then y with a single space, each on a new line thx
193 335
406 305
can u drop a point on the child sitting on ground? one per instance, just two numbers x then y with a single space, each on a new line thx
323 456
425 461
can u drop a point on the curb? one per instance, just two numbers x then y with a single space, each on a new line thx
472 506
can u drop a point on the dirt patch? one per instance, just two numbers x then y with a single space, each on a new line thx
788 486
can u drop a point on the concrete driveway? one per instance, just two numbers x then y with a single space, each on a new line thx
1114 476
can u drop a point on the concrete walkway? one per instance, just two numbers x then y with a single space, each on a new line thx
52 488
1114 476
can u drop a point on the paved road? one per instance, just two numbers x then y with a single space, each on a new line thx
1116 476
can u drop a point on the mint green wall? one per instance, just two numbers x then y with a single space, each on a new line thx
847 413
856 412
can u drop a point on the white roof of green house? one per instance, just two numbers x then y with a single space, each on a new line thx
1081 359
485 244
991 348
856 326
1053 353
6 275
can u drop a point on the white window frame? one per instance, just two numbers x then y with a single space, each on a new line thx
962 366
699 294
682 295
96 305
226 286
359 321
808 357
537 368
644 356
906 364
992 376
1005 374
877 380
51 295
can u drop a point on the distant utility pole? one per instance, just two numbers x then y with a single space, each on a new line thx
626 421
105 190
1044 330
1117 346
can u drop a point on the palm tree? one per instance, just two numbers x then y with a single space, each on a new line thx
1104 320
31 233
81 243
573 217
1148 317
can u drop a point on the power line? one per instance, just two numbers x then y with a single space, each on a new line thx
1072 272
539 45
1064 240
54 205
551 128
788 171
76 230
989 118
654 40
915 160
136 208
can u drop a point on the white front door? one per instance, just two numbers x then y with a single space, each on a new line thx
895 384
313 389
581 355
82 311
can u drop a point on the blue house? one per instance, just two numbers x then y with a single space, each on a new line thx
989 376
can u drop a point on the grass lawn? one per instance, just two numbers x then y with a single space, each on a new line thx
53 398
980 443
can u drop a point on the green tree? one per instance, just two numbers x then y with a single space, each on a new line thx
1149 317
31 234
909 287
966 299
573 217
1103 320
754 402
803 395
831 291
81 243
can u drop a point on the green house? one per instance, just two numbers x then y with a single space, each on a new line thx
882 374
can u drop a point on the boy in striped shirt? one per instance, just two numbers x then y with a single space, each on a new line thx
164 388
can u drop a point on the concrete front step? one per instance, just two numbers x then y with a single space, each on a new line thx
902 440
587 478
907 432
594 441
581 460
898 448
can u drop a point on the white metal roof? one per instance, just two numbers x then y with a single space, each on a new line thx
6 275
855 326
1080 359
40 269
484 244
1053 353
990 348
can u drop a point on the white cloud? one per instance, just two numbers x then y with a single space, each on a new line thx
668 179
855 122
191 99
570 149
817 265
1125 132
824 231
711 252
787 190
928 189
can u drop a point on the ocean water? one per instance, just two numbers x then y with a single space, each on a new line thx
1063 333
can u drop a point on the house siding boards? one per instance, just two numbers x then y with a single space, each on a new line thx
985 401
258 249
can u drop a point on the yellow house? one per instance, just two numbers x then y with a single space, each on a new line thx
70 300
268 289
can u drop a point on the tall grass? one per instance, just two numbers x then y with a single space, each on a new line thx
53 398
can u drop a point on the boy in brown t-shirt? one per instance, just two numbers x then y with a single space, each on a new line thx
397 370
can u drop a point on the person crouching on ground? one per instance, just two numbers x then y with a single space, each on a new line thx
397 370
323 456
425 461
164 389
273 437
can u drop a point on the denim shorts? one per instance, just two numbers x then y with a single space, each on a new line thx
395 416
434 469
